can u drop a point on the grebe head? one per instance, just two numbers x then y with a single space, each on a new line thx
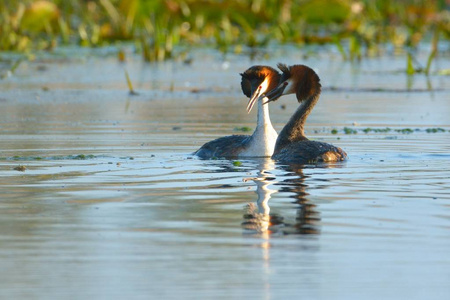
258 80
297 79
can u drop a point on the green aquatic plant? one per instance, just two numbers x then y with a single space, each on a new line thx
167 29
376 130
434 130
131 91
405 130
14 65
434 50
59 157
243 129
80 157
402 130
348 130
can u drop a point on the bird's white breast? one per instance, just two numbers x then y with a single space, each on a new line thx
262 141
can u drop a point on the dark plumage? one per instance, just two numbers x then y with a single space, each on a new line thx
292 145
254 83
307 151
226 147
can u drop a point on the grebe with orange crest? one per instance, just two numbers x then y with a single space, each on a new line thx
255 82
292 146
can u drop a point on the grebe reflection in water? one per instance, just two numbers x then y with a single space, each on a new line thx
255 82
292 146
258 218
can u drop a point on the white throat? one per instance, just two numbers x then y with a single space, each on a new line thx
264 137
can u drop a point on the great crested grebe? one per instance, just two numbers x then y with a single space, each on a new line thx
255 82
292 146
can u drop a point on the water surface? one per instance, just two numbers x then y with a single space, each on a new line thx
112 205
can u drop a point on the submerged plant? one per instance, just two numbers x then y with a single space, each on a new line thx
237 163
243 129
435 130
348 130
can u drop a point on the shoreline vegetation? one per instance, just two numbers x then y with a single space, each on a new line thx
168 29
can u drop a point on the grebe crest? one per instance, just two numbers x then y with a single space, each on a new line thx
255 82
292 145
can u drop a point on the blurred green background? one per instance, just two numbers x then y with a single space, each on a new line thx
169 28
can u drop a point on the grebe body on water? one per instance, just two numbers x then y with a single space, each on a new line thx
292 146
255 82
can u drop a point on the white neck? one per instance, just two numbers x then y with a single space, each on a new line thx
263 114
264 137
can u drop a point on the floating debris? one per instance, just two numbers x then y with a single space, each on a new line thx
20 168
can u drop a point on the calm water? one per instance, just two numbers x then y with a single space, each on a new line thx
112 204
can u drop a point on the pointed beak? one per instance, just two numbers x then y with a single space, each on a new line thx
255 96
276 93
